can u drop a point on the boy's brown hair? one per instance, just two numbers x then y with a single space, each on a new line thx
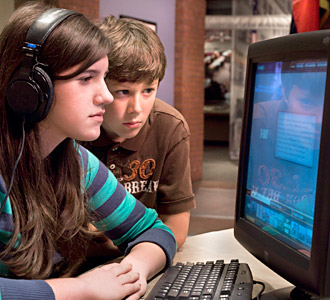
136 54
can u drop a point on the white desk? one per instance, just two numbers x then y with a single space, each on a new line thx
223 245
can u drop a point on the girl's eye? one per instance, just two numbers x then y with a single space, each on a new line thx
86 79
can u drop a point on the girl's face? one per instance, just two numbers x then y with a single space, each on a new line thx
78 106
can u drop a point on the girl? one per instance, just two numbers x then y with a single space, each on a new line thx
53 192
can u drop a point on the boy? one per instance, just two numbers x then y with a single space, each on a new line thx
144 141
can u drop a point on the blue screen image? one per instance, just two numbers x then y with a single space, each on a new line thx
288 100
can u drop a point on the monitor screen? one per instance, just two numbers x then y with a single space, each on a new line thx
284 149
282 210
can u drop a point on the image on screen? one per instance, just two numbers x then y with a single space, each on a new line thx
288 100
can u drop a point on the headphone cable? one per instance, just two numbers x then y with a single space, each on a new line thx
15 166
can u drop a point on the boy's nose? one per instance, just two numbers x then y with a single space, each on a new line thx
134 105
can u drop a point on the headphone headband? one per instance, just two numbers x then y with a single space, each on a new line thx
45 24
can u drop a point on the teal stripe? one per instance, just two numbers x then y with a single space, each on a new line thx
4 271
159 224
76 145
7 208
81 159
118 216
104 193
5 236
146 221
92 168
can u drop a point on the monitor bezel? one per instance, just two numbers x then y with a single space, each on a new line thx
311 274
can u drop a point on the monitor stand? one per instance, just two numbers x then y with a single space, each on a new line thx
289 293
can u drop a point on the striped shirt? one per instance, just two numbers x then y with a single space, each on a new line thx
124 220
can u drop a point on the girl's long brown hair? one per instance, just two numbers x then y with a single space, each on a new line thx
48 207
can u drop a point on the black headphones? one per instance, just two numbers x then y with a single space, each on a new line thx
30 89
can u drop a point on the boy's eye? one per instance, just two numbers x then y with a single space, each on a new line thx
123 92
306 103
148 91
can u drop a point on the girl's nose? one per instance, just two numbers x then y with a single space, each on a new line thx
108 98
104 96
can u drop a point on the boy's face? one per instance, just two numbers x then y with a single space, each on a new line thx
302 101
126 115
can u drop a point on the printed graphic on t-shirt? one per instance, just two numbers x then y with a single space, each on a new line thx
135 175
134 187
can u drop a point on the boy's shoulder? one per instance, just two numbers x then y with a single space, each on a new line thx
168 112
163 107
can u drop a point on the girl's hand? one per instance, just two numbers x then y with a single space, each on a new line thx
143 287
112 282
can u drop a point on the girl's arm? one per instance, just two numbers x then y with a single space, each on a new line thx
123 219
25 289
148 244
114 281
147 259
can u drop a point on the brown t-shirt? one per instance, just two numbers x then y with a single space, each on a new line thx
154 166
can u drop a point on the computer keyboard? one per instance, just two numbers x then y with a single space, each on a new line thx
205 280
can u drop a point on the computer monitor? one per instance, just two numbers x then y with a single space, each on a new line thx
283 191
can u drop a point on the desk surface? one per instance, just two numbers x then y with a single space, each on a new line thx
223 245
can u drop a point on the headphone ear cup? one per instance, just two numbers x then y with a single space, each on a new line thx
30 89
47 94
30 95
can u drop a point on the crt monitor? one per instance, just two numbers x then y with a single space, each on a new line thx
283 190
